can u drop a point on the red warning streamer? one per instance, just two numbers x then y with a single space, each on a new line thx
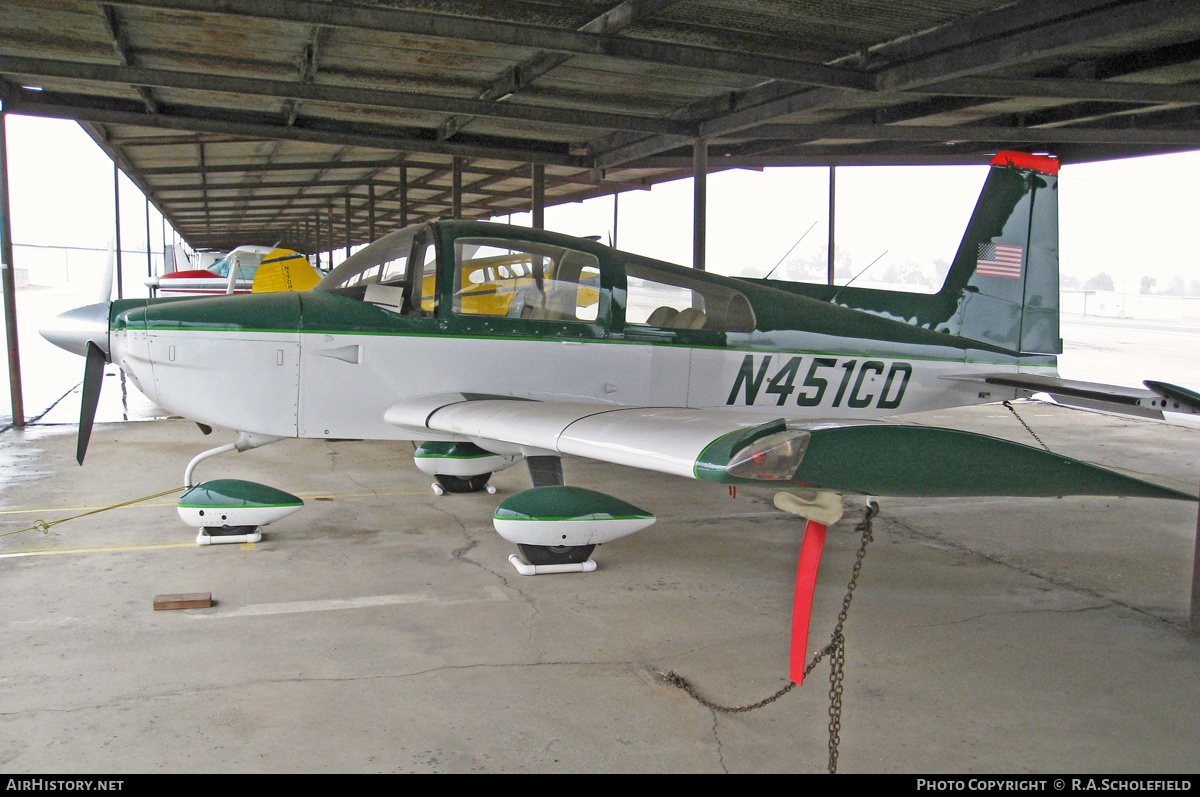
806 582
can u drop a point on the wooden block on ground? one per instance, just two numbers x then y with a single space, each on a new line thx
183 600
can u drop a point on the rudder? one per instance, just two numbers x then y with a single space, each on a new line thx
1004 277
284 270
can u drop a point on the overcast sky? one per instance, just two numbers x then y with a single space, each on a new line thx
1127 218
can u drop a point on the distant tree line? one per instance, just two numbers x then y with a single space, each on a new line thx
1148 285
930 276
911 275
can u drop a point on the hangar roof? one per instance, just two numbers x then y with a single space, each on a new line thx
247 120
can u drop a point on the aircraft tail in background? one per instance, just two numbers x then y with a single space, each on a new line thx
175 259
284 270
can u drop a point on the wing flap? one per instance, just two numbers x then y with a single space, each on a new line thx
664 440
667 440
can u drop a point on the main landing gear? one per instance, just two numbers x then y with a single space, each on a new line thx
460 467
445 483
555 554
232 510
556 528
547 472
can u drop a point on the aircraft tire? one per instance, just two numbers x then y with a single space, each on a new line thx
555 554
463 484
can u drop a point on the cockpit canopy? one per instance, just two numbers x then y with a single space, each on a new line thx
246 258
496 270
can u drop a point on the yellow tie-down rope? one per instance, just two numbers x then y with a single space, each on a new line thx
44 526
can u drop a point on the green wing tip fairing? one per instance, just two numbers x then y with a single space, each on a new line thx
443 450
559 502
236 493
904 460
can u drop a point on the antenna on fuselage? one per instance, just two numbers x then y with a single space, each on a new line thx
798 240
859 274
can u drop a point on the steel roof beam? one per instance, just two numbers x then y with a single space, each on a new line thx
518 77
1030 40
388 185
257 200
120 43
1123 91
304 166
536 37
1019 33
979 133
469 168
372 136
306 71
272 210
283 89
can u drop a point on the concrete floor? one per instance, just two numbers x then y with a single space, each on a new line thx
381 629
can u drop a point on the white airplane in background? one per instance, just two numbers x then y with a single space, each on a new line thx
491 343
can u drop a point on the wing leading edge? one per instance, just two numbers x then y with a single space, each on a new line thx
732 447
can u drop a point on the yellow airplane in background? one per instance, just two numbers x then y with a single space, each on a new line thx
284 270
493 279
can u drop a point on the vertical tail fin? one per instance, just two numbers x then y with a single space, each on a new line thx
1002 288
1004 278
284 270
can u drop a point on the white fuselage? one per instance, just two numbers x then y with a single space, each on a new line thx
315 385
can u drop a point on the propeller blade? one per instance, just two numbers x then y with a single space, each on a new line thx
93 377
106 283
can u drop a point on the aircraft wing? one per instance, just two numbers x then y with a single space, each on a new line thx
737 447
1150 402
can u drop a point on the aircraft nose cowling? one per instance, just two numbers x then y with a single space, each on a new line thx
73 329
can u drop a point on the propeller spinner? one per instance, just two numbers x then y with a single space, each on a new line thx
84 331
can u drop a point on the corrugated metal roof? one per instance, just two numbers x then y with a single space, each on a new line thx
256 119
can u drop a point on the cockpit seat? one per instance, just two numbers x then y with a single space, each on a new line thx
689 318
662 317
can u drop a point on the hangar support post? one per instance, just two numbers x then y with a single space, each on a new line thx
10 282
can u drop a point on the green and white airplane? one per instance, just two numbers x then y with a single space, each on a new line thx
491 344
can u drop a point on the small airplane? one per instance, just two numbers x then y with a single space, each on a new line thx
491 344
244 269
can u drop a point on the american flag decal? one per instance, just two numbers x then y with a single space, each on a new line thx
999 260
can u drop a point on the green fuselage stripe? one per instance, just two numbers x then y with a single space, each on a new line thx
557 519
237 506
1013 358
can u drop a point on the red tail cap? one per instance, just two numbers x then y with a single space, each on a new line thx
1023 160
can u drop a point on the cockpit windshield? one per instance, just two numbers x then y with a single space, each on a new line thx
380 273
386 261
247 263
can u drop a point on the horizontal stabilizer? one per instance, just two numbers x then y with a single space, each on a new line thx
1179 399
1094 395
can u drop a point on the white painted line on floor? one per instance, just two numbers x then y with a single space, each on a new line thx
493 595
98 550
